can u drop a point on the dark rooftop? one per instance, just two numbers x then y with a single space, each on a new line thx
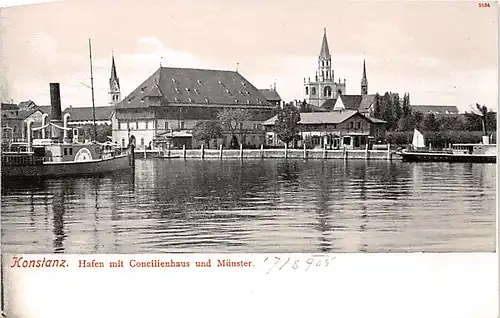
183 86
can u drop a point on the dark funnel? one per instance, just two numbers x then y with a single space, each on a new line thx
55 102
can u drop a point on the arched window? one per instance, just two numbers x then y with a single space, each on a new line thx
307 90
313 91
327 91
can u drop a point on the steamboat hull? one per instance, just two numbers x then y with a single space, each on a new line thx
69 169
444 157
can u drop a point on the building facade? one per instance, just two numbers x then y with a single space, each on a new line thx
173 100
323 86
347 129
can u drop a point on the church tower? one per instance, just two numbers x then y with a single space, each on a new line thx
323 87
114 84
364 81
324 61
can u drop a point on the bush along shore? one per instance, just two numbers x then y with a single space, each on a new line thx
277 153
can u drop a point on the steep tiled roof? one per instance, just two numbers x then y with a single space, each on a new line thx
335 117
440 109
25 104
270 95
355 102
329 103
375 120
351 101
85 113
45 109
187 86
7 106
366 102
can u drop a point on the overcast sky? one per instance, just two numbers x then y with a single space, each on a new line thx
440 52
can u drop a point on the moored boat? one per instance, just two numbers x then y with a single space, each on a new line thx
466 152
61 156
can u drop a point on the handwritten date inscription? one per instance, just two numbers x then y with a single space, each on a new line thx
300 264
484 4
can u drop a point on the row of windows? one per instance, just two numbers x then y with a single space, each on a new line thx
327 91
334 126
207 101
68 150
358 124
166 125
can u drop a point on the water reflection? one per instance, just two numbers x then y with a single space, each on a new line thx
257 206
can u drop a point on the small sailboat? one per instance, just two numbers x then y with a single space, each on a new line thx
418 140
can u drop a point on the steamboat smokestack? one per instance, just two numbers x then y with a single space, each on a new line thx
56 112
55 102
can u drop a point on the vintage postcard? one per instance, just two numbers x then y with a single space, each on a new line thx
259 132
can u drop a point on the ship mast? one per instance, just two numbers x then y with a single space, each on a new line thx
92 89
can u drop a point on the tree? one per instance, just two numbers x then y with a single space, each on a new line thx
233 119
450 123
430 123
406 123
286 126
405 107
305 107
377 110
418 118
480 120
206 131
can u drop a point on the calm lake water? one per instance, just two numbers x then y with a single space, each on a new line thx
257 206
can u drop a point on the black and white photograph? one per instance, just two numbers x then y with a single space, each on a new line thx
248 126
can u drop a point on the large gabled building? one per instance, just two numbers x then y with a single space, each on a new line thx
172 100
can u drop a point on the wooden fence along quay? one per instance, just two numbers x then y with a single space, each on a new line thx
282 153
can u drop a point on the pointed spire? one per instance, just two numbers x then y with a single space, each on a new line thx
364 70
114 77
364 80
325 51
